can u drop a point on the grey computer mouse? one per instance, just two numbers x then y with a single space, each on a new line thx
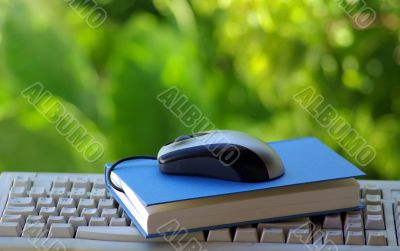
222 154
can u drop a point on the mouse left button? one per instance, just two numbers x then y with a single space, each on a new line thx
181 138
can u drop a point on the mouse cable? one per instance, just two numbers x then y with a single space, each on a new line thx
110 170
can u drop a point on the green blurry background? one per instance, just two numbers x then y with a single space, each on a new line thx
240 62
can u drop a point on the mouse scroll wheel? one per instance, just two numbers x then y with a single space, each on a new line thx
182 138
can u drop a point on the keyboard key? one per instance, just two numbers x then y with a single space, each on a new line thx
272 235
86 203
89 212
397 210
43 182
333 237
44 202
10 229
374 210
58 192
129 234
61 230
65 202
198 236
68 212
77 221
218 235
22 181
124 215
62 181
37 192
13 218
20 202
376 238
81 182
78 193
31 219
105 203
55 219
358 212
98 193
372 189
397 200
98 183
48 211
374 222
34 230
118 222
303 223
299 236
120 210
97 221
353 218
353 227
355 238
373 199
397 222
24 211
17 192
246 235
333 221
109 213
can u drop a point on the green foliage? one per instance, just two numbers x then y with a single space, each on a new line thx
240 62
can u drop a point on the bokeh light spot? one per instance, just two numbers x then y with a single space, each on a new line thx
343 37
350 62
329 64
224 4
352 79
298 15
258 64
252 19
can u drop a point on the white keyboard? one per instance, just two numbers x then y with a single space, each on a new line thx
56 211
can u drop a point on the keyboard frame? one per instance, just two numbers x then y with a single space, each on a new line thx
60 244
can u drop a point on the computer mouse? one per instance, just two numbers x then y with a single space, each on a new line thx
223 154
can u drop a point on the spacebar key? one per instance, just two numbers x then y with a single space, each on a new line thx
109 233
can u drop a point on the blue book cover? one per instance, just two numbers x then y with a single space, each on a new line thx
306 160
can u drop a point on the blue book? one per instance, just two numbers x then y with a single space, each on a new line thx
316 180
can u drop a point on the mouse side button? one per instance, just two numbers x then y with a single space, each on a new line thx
187 153
200 166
